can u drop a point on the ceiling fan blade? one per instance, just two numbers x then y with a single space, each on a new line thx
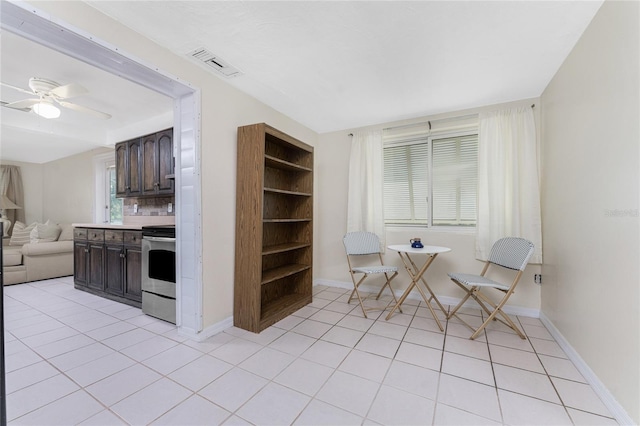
29 92
25 103
69 91
4 104
84 109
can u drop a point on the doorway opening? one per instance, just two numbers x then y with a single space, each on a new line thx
38 27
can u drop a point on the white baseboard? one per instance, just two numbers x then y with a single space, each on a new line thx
445 300
620 414
212 330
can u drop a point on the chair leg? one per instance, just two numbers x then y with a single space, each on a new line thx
464 299
497 310
388 284
393 294
355 290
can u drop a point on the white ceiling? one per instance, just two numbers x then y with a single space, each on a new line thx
334 65
30 138
330 65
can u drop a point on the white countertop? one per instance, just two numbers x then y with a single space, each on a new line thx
107 226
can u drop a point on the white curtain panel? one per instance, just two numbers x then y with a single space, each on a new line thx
508 181
11 186
365 211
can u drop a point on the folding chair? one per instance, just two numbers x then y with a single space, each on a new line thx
511 253
366 244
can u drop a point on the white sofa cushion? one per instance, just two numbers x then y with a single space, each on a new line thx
45 233
67 232
12 256
55 247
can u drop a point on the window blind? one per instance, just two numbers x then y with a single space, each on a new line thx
455 180
406 184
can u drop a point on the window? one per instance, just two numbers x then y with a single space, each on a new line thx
108 208
431 181
113 204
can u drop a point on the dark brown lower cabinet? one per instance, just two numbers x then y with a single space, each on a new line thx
88 258
113 269
96 262
108 263
133 273
80 255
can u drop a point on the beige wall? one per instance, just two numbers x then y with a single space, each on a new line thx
68 188
224 108
590 169
332 173
32 184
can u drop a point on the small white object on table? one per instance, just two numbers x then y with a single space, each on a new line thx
417 274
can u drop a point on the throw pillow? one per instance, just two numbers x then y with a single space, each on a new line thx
67 232
21 234
45 233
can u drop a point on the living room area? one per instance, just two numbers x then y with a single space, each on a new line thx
38 242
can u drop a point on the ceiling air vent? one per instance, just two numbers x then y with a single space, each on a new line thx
214 62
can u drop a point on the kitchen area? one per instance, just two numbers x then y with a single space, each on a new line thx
134 262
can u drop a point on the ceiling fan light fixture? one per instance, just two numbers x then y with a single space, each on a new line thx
46 109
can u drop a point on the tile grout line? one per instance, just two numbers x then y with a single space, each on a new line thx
202 354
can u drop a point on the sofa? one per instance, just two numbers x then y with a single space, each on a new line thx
37 258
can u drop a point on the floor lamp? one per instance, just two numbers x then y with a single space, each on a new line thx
6 204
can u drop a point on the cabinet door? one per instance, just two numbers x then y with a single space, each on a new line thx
96 266
133 273
113 269
134 167
164 143
122 181
80 265
150 163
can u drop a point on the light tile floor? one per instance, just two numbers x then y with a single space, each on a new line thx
74 358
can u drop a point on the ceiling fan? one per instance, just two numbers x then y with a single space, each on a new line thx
49 94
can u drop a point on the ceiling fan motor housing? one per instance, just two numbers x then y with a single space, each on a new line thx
41 86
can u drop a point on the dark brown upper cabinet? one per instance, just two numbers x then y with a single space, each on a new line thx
128 169
145 166
158 163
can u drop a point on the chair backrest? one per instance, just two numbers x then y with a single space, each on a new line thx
358 243
511 252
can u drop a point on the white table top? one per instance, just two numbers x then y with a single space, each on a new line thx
406 248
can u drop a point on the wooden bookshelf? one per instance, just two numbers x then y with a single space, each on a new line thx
274 227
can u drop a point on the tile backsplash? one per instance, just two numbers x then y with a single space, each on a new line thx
149 206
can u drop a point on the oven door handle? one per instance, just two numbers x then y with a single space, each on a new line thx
160 239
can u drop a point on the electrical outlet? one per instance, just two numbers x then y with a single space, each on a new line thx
170 208
537 278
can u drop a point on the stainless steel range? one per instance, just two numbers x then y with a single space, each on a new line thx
159 272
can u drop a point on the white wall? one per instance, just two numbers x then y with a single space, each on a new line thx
68 188
331 175
224 108
590 168
32 185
